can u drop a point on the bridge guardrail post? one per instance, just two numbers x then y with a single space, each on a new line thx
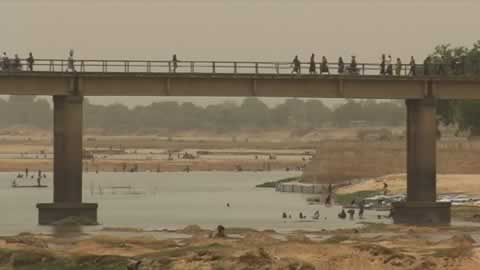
169 67
192 67
363 69
256 68
277 68
61 65
149 66
213 67
235 67
82 66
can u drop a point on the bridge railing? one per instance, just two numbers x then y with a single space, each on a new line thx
227 67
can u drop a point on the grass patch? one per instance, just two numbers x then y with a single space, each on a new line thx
336 239
346 199
456 252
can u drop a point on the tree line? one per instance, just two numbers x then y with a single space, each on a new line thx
250 113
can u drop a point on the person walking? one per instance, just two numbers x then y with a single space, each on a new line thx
71 62
175 63
17 64
413 67
30 61
324 66
382 65
426 65
312 69
389 66
341 65
398 67
296 65
441 66
5 62
353 66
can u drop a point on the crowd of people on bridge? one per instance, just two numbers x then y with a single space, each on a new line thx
454 65
386 66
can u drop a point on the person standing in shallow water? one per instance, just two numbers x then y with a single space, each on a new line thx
312 69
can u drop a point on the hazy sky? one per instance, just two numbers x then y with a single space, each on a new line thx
234 29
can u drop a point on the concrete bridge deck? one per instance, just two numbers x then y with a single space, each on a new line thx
238 85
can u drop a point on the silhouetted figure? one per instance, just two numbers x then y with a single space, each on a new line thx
341 66
71 62
5 62
385 188
284 215
352 69
398 67
413 67
351 213
220 232
175 62
389 66
328 200
300 215
361 206
441 67
426 66
342 214
30 62
26 171
313 68
296 65
324 66
316 215
17 64
228 204
383 64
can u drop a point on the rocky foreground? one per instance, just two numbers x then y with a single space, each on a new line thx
370 247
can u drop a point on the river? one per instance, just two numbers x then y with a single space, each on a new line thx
174 200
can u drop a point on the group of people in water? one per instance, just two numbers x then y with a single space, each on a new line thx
27 175
387 67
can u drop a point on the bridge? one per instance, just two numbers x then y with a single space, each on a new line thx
237 79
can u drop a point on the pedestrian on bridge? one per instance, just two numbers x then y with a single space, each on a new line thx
175 62
383 65
71 62
5 62
17 64
389 66
398 67
353 66
341 65
413 67
296 65
426 65
324 66
30 62
313 68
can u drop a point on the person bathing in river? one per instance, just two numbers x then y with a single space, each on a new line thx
342 214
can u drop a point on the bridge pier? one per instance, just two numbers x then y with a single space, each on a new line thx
67 165
421 206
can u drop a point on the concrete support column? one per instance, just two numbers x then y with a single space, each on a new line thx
67 164
421 150
421 206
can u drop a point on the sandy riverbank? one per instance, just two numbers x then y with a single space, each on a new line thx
373 247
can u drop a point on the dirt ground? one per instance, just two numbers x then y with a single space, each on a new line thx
369 248
467 184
